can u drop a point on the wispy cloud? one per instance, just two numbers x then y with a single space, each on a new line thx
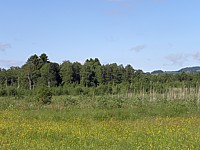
196 56
9 63
182 58
177 59
4 46
138 48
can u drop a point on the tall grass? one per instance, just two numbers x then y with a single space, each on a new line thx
108 122
107 107
45 129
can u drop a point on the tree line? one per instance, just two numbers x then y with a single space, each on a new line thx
92 77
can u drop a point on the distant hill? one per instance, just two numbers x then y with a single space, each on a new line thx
187 70
190 69
157 72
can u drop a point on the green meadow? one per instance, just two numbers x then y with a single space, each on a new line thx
99 123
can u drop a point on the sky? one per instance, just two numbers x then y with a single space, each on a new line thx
147 34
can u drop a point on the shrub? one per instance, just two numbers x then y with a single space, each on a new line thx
70 101
11 91
2 92
108 102
44 95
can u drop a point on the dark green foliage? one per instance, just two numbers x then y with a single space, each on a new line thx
66 72
76 67
102 108
69 101
44 95
50 74
93 79
90 73
108 102
11 91
3 92
57 91
78 90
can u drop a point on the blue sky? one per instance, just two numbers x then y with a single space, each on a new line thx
148 34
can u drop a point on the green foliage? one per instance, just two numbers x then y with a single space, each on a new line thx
104 107
66 72
69 101
57 91
108 102
50 74
94 79
3 92
44 95
78 90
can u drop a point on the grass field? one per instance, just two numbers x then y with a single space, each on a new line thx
138 127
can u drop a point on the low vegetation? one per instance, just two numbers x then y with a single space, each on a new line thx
29 130
44 105
83 122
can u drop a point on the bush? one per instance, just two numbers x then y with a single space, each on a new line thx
11 91
70 101
19 94
57 91
2 92
78 90
108 102
44 95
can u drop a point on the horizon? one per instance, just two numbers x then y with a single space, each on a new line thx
149 35
106 64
